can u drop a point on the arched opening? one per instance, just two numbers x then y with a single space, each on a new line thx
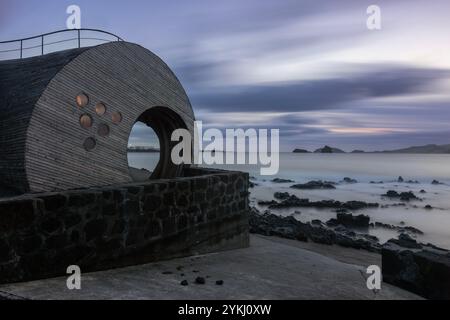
149 145
143 151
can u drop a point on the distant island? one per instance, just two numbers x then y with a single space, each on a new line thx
300 151
328 149
425 149
142 149
429 148
325 149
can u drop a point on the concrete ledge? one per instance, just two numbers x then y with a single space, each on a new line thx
271 268
108 227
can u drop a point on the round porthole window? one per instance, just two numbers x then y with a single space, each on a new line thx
89 144
82 100
116 117
100 108
86 121
103 130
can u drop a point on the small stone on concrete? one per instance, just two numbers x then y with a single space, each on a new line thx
184 283
200 280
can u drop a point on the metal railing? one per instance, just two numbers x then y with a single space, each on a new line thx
17 49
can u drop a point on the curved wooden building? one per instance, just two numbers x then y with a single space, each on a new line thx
65 117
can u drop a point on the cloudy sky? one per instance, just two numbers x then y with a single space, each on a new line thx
310 68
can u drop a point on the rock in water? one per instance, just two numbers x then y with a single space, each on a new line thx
392 194
404 196
349 220
290 201
281 195
349 180
279 180
288 227
400 179
314 185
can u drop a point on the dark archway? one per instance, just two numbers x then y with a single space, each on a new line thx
163 121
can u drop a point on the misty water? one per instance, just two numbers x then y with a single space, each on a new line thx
365 168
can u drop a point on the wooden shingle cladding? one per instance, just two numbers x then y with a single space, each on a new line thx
41 136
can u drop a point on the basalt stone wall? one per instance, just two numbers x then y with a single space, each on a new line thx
101 228
422 269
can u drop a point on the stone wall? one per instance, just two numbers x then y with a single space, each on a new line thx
420 268
100 228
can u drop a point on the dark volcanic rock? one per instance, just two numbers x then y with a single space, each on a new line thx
184 283
349 180
423 269
200 280
279 180
315 184
392 194
267 203
288 227
350 220
400 179
281 195
435 182
404 196
406 229
411 230
356 205
290 201
405 241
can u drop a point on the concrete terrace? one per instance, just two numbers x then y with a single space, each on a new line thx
271 268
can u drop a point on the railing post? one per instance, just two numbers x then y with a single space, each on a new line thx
42 45
79 39
21 47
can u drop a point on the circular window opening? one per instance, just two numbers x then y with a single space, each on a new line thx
103 130
82 100
143 152
100 108
89 144
86 121
116 117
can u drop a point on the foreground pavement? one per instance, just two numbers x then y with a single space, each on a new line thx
271 268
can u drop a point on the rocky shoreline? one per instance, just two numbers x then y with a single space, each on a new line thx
270 224
421 268
346 229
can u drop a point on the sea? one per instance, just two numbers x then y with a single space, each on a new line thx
375 173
